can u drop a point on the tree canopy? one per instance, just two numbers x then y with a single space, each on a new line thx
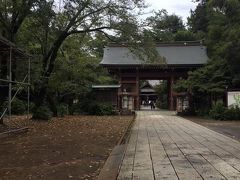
219 21
67 38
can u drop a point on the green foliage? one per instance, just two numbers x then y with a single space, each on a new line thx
87 104
223 37
186 35
62 110
146 51
220 21
232 114
203 112
182 85
162 104
199 18
164 26
162 92
101 109
212 78
96 108
46 30
217 112
237 99
75 72
42 113
12 15
161 21
18 107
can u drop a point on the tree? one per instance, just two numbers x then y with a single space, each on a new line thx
164 26
161 90
52 27
199 18
162 21
222 40
187 35
223 36
12 15
76 69
42 28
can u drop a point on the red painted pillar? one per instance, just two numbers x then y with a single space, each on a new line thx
170 89
137 91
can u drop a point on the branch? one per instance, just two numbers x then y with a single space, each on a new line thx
88 30
73 19
63 33
94 12
107 35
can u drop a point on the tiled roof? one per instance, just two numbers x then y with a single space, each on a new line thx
175 54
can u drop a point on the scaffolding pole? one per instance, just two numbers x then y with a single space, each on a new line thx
15 82
29 79
14 97
10 84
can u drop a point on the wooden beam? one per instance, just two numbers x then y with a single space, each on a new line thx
137 91
170 90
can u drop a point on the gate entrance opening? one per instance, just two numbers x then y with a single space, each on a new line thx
148 95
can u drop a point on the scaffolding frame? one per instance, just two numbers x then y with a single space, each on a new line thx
13 51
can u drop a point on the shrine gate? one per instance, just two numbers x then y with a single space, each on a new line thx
180 58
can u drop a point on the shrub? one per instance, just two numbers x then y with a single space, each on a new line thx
96 108
62 110
99 109
232 114
42 113
92 107
106 109
220 112
76 109
229 114
217 111
18 107
162 102
203 112
238 113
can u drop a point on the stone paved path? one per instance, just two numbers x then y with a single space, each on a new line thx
164 146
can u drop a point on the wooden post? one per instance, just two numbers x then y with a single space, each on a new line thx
119 91
170 89
137 90
10 85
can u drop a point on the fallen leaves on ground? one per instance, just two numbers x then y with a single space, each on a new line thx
73 147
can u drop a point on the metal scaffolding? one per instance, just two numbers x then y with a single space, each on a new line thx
18 63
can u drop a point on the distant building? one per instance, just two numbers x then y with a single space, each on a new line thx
147 94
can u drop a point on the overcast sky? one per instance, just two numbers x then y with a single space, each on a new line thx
178 7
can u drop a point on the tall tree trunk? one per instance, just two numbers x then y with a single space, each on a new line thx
48 66
52 104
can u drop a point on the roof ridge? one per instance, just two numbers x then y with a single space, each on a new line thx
176 43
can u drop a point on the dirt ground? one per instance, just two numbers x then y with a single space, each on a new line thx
73 147
228 128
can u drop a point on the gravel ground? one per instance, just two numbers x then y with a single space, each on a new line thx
228 128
